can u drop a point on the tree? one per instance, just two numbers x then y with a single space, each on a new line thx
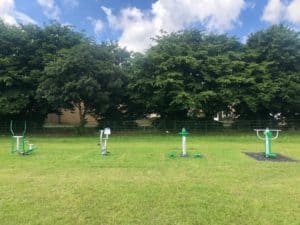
180 74
120 63
272 59
24 51
86 77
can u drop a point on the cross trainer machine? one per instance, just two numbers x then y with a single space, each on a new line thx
19 143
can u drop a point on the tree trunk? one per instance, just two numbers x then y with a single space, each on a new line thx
82 117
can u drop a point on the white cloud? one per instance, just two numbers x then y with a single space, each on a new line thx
274 11
293 12
11 16
112 20
71 3
244 39
97 24
277 11
50 9
139 26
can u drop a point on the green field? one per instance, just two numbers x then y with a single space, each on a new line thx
66 181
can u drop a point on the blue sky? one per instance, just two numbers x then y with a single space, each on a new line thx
134 22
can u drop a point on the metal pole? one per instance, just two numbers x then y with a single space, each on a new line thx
104 147
101 141
183 146
268 137
183 134
267 147
18 143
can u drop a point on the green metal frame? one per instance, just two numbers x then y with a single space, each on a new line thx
18 143
183 134
267 138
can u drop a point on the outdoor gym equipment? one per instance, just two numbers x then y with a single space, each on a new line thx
103 140
18 142
173 154
183 134
267 137
184 152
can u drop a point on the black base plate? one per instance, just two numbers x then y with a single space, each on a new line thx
260 156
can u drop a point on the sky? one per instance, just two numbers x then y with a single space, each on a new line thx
132 23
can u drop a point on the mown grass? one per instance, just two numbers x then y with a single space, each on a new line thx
66 181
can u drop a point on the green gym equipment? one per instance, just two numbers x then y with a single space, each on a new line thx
184 134
103 141
267 136
19 143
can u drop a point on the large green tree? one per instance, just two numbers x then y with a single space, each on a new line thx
24 52
88 77
180 74
272 60
44 69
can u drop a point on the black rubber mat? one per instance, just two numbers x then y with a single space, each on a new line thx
260 156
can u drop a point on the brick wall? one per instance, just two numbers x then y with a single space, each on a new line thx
68 118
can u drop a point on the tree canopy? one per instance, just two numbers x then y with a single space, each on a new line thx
87 77
190 72
186 74
24 52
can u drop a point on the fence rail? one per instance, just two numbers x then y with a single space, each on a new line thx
155 126
203 126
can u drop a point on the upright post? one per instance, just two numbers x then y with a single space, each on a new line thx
183 134
268 138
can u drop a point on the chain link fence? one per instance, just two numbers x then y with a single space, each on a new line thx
152 126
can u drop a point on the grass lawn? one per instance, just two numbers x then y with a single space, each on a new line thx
66 181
